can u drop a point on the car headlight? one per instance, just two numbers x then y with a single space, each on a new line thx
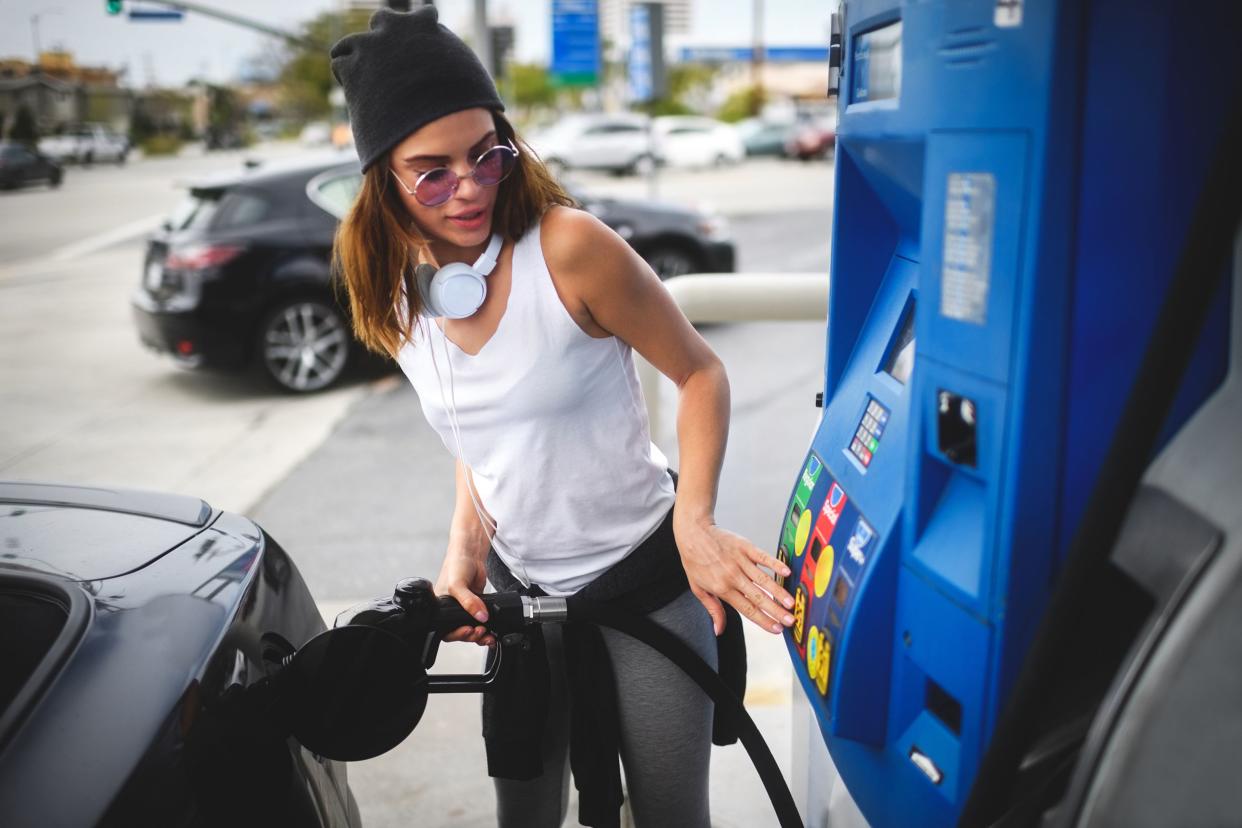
715 227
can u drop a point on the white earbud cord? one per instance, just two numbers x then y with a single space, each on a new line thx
450 405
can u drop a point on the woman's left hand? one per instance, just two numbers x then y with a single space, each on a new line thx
724 566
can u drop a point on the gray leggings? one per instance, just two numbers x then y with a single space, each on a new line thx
666 726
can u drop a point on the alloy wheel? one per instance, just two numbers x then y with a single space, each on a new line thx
305 346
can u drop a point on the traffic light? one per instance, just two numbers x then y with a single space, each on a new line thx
114 6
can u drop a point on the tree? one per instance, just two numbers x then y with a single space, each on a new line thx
306 75
743 103
25 130
531 85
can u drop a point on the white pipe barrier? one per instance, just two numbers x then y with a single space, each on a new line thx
737 297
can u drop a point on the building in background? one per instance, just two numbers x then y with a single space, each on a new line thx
59 93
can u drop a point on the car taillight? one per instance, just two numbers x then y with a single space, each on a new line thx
201 256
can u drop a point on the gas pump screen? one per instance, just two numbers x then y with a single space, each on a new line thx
877 64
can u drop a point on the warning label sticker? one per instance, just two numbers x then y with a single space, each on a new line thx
966 272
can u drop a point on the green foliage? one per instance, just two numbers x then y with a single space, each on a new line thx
161 145
530 85
224 110
306 75
25 130
665 106
743 103
689 79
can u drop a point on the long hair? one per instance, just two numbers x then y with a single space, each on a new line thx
375 246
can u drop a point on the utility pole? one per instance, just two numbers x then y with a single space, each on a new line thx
482 37
238 20
756 58
34 32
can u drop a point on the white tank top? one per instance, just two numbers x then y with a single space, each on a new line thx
554 427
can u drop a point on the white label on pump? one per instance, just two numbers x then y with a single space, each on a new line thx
1008 14
966 270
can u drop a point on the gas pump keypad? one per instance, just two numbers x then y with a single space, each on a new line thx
870 429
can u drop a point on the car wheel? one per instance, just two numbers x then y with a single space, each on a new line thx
668 261
54 179
304 345
720 160
642 165
88 159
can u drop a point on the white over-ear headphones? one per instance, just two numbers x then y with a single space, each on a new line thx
456 290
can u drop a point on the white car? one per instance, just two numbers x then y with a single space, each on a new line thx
694 141
620 143
87 143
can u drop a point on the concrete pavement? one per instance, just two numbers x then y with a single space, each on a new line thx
351 481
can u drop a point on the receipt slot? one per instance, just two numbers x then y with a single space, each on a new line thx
1014 183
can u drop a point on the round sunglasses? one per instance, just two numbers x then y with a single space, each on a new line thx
438 185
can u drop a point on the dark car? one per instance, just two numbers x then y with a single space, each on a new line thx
672 239
138 633
21 165
241 272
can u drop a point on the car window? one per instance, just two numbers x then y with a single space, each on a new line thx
687 130
196 211
240 208
14 154
613 129
335 193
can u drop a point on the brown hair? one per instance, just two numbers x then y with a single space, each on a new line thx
373 250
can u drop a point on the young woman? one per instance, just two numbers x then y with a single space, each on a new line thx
559 487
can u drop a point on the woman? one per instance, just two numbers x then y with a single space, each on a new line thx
559 488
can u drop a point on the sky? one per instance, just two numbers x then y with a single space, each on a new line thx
169 54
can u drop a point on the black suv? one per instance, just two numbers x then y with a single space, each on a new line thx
241 271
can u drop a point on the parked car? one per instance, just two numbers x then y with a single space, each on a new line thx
21 165
240 273
87 143
620 143
316 134
761 137
812 139
673 239
693 141
139 633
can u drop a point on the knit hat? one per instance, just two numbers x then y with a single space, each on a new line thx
407 71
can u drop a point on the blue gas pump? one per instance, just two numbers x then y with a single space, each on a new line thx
1015 184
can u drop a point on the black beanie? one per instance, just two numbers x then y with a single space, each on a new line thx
407 71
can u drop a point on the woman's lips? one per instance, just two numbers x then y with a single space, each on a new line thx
471 220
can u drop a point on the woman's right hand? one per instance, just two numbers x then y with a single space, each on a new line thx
463 576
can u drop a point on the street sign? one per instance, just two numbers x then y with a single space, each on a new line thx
744 54
575 42
646 63
156 14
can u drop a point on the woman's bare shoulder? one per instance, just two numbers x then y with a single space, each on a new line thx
572 238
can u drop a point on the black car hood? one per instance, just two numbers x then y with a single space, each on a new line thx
89 534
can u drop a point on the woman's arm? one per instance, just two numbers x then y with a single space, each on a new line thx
463 573
609 289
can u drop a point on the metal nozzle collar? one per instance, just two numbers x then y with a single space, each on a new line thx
544 608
